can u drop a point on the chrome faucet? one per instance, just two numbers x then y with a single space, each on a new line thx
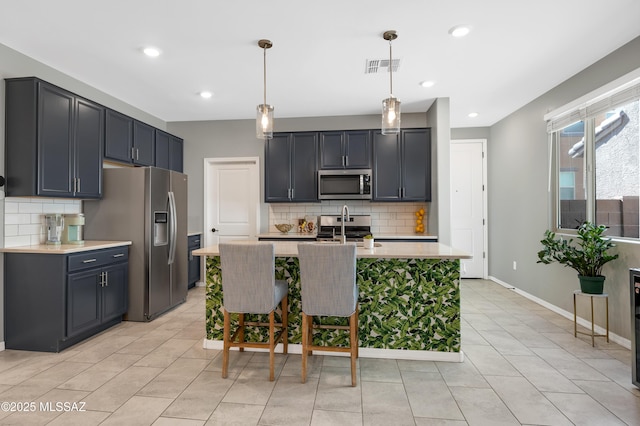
343 236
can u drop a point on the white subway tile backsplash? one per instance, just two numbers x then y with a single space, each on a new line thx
24 218
395 218
30 208
18 240
11 230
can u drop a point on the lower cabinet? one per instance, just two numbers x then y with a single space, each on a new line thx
95 297
53 301
194 261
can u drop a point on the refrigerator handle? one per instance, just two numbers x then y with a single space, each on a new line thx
174 227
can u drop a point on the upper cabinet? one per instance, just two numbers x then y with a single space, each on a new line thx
345 149
291 167
402 166
144 142
54 141
169 150
128 140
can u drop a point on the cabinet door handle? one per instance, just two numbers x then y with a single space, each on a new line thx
133 153
403 192
89 260
101 279
293 193
346 160
106 279
118 255
196 242
78 190
137 154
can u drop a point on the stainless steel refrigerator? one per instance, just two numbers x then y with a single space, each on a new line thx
147 206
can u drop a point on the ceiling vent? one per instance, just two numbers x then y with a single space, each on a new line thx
374 66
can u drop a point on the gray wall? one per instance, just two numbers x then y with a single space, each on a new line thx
439 214
519 203
236 138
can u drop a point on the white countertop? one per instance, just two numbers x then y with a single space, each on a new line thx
65 248
386 250
191 234
380 236
280 235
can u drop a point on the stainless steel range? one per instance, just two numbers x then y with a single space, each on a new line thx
356 227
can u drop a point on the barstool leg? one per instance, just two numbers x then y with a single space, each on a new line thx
353 332
305 343
272 355
241 330
225 349
284 306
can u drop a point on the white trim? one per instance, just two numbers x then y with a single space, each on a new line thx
625 343
602 92
2 347
362 352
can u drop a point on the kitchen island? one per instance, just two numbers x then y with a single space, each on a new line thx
409 300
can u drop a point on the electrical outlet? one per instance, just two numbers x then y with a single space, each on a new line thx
515 266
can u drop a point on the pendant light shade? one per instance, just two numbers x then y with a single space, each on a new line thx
264 117
391 105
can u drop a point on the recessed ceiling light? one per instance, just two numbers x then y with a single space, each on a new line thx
473 114
206 94
427 83
152 52
459 31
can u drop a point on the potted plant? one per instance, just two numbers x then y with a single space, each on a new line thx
587 256
368 241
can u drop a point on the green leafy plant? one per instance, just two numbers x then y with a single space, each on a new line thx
587 255
368 237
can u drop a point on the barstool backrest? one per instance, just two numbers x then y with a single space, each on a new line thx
328 279
248 277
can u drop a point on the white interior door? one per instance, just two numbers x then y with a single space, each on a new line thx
468 205
231 199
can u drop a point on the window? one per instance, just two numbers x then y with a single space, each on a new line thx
596 159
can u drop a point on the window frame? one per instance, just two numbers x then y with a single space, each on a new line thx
615 94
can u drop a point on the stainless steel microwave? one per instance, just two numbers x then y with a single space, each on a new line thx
354 184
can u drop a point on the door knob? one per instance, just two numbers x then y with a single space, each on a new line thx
214 230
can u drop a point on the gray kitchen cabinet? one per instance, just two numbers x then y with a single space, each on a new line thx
193 243
345 149
54 141
128 140
169 151
118 137
53 301
402 166
144 142
291 167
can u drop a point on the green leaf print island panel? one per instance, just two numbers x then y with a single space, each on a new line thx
405 304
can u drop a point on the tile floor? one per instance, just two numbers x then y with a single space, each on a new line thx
523 366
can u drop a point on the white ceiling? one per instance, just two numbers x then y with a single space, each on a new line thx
515 52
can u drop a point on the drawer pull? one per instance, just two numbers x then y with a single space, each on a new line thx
118 255
89 261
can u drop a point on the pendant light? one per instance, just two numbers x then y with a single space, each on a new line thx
264 119
391 105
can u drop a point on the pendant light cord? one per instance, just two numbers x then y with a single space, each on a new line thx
264 68
390 70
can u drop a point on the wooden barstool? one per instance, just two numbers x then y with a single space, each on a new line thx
328 289
249 286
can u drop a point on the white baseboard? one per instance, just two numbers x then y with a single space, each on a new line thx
362 352
2 348
625 343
